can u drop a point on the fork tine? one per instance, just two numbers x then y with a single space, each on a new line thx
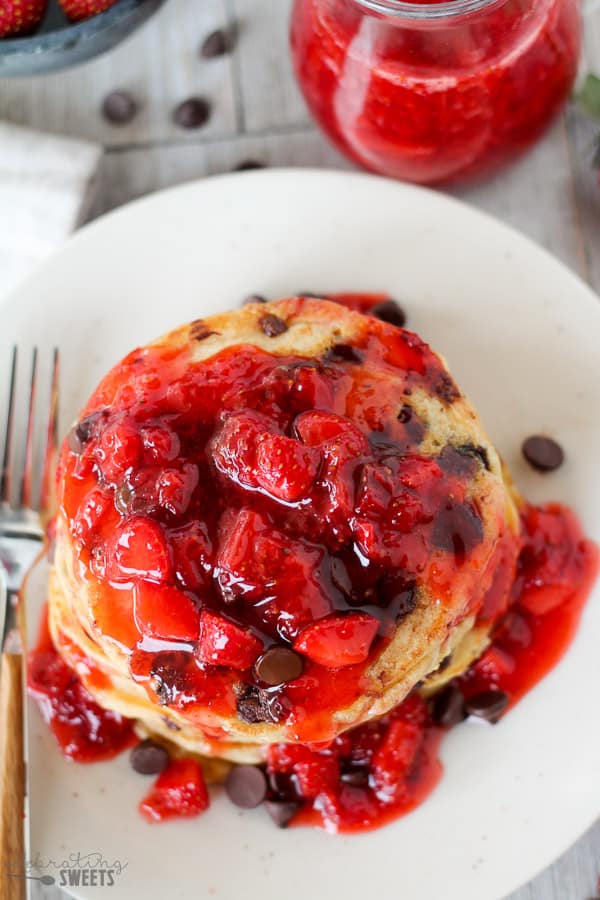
51 450
5 472
26 478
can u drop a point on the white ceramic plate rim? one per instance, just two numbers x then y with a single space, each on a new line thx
325 203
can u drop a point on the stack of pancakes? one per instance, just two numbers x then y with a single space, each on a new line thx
437 639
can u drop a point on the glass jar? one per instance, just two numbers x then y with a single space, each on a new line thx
435 92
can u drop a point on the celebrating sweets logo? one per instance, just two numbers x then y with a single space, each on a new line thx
76 870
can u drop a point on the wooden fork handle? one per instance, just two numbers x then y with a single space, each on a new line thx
12 779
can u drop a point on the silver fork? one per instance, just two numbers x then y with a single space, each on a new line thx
24 513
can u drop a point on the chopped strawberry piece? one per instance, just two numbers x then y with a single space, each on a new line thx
338 641
279 577
179 791
315 771
375 489
175 488
138 549
316 427
406 512
91 517
285 468
161 444
222 643
493 665
234 446
236 573
404 350
312 389
552 559
118 449
409 552
419 473
192 554
164 612
394 759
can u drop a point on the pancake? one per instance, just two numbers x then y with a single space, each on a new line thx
274 524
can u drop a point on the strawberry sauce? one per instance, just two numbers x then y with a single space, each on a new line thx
84 730
430 96
255 511
252 501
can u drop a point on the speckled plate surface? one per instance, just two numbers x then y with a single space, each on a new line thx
521 334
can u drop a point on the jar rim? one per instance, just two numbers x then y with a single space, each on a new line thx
447 9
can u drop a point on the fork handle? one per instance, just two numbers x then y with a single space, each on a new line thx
12 779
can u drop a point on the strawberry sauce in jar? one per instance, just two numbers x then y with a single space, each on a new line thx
435 92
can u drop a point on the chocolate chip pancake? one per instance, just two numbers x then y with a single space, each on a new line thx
274 524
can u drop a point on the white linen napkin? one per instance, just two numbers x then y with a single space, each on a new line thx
46 186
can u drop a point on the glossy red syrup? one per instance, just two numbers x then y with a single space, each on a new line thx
252 500
392 763
556 570
84 730
447 99
179 524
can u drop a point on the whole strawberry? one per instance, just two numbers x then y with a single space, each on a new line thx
84 9
20 16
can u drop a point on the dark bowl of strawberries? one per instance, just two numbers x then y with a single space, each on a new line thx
38 36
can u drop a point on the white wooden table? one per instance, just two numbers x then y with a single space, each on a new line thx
258 114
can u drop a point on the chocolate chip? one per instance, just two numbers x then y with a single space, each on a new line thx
398 596
444 663
457 529
119 108
171 725
257 704
74 442
254 298
488 705
445 389
281 813
283 787
247 165
168 676
415 428
272 325
83 432
448 707
192 113
453 462
389 311
199 330
278 666
246 786
343 353
149 758
217 43
543 453
478 452
250 710
357 777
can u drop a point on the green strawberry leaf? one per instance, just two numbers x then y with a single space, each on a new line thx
588 97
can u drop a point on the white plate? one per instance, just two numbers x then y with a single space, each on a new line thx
521 334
